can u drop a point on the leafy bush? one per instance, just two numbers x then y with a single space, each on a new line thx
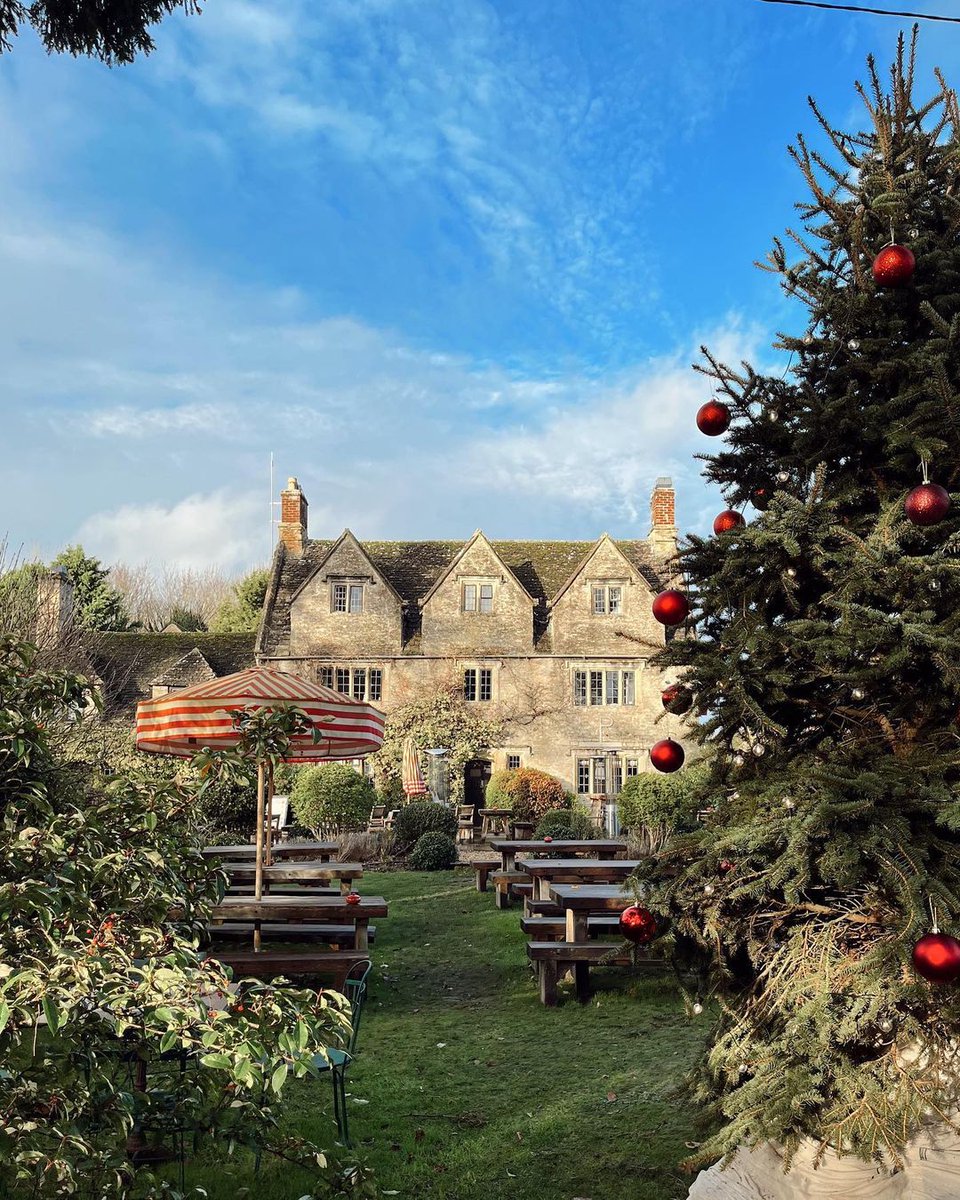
435 851
496 795
653 801
532 794
414 820
390 792
573 824
332 798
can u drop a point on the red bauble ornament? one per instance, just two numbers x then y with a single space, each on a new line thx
894 266
638 924
727 520
671 607
352 898
760 498
927 504
667 755
713 418
547 838
937 957
725 865
677 699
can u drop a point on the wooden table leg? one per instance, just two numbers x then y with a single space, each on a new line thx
576 926
509 857
346 887
548 982
542 884
581 976
360 936
503 893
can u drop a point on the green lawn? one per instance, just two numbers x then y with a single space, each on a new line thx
467 1088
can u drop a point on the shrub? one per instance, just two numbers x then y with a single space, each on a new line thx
414 820
572 824
332 798
534 793
650 802
496 795
390 792
434 851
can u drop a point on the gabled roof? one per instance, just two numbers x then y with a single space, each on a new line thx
603 540
543 568
346 538
192 668
479 536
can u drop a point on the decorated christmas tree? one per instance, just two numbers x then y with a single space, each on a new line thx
823 888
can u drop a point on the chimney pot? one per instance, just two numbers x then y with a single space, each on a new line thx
663 520
292 529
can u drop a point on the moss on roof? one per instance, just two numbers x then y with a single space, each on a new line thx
542 567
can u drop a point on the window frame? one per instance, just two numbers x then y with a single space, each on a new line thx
603 602
514 762
604 687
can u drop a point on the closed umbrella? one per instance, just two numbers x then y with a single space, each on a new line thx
413 782
185 721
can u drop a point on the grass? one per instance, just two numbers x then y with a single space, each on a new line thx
467 1088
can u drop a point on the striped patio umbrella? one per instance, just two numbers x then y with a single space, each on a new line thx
412 776
194 718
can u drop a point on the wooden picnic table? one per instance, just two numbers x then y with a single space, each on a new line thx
298 872
510 848
309 851
546 871
493 820
278 907
580 900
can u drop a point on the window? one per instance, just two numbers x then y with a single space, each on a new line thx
600 776
376 684
616 776
478 597
360 683
325 677
633 767
346 597
343 680
603 775
478 683
583 776
513 762
604 687
607 599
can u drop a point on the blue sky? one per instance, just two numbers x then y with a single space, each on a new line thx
449 262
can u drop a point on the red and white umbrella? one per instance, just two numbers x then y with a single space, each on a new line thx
410 773
186 721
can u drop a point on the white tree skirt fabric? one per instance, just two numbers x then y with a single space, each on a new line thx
931 1171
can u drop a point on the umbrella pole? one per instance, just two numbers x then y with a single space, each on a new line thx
258 884
269 811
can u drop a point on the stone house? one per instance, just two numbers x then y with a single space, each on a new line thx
554 637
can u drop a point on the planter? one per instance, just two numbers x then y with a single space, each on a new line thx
931 1171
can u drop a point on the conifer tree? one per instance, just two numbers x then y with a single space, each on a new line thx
825 670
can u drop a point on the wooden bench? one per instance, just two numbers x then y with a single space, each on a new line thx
504 882
541 908
483 869
554 959
285 932
521 890
553 929
327 964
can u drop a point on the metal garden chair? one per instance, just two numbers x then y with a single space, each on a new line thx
337 1061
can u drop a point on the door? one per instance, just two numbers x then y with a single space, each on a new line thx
476 776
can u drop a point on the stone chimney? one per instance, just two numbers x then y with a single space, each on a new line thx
54 606
293 517
663 522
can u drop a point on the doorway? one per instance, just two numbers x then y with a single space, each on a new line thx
476 776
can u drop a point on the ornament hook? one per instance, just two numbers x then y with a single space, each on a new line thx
925 468
933 914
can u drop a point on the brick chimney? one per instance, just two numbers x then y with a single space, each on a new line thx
663 522
54 606
293 517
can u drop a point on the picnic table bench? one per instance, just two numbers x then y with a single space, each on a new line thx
576 952
341 874
482 868
509 848
506 884
278 907
284 851
545 871
267 964
493 820
283 931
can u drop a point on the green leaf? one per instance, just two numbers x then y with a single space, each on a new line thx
51 1013
278 1078
220 1062
4 1014
150 820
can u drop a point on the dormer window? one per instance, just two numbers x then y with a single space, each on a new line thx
478 597
607 599
346 597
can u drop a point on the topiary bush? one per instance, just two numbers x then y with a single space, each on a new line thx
495 794
414 820
532 794
434 851
332 798
565 823
657 802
